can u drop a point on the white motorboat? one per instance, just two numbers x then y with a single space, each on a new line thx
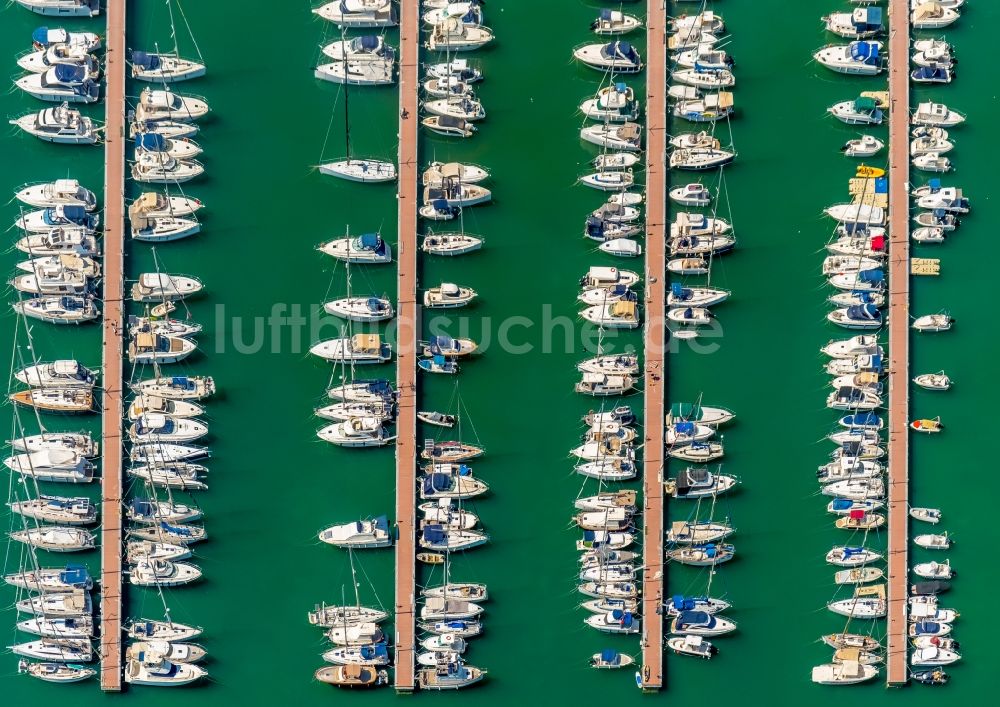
927 515
937 219
450 243
603 384
859 608
176 147
611 22
933 655
460 69
155 287
610 363
60 124
63 83
852 556
449 126
156 105
936 115
691 645
932 15
145 630
463 107
616 621
701 623
701 158
454 35
366 248
357 432
933 381
174 652
61 216
615 104
860 316
933 322
154 669
358 349
616 315
690 316
360 309
860 58
705 56
157 427
691 195
448 88
949 199
706 109
619 57
63 8
438 172
359 14
849 672
860 111
161 68
61 192
934 570
161 168
858 575
856 489
45 37
368 47
857 214
357 73
454 193
695 482
931 162
864 146
613 212
173 129
932 53
372 533
59 309
448 295
55 538
469 11
860 23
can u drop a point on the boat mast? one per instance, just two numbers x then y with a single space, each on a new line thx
347 113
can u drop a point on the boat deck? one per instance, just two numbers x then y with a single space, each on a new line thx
406 346
112 350
899 333
654 346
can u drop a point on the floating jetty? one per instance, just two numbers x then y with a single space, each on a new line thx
654 344
407 313
112 348
899 333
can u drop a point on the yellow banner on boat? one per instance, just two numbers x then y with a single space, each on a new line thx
864 171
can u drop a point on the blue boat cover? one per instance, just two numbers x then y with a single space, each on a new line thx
864 311
142 507
74 574
595 226
182 382
376 651
927 627
464 470
440 360
176 530
688 618
437 482
440 204
154 142
866 51
874 17
679 291
684 428
40 35
682 603
457 625
589 535
605 14
368 42
435 534
381 523
851 551
374 304
369 240
77 214
609 655
934 184
146 61
625 49
842 504
70 73
881 185
872 276
864 419
621 87
444 343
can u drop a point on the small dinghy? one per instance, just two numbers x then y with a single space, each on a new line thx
438 419
927 426
927 515
930 677
933 542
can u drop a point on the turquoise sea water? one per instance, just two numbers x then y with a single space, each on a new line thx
273 484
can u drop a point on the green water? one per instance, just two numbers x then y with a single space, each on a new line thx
273 484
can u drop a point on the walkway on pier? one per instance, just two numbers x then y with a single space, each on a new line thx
899 334
655 347
406 345
113 350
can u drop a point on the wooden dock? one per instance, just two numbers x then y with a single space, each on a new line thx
407 313
899 333
654 344
112 348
